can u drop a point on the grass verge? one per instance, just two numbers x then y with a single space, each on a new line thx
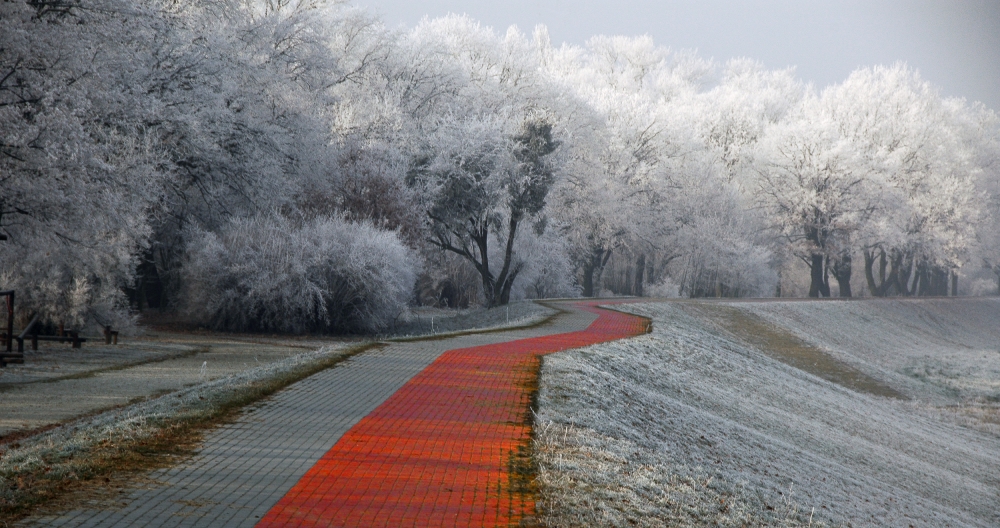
150 434
502 328
788 348
194 351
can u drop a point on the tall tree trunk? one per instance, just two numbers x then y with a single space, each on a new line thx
883 263
588 279
504 281
818 285
921 284
873 289
954 284
842 271
869 272
902 268
914 275
939 281
825 288
508 284
880 286
640 270
481 238
591 270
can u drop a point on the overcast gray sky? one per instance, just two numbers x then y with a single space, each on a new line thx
954 43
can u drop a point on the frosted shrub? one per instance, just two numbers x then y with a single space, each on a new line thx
723 265
548 273
666 288
269 274
982 287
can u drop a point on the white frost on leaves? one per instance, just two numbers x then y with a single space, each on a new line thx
267 274
133 133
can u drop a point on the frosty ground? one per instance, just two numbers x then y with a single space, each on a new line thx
57 383
174 378
893 421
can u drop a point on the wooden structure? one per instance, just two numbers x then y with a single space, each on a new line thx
30 332
8 355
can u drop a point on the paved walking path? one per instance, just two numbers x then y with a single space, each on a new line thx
421 433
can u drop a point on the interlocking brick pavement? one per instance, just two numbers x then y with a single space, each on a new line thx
407 434
443 450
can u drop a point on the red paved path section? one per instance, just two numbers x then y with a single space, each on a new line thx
445 449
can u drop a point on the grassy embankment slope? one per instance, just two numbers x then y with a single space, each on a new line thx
861 413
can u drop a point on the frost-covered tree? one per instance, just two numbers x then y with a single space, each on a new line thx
732 118
921 156
79 170
723 250
617 193
483 183
879 163
140 143
484 163
124 126
267 273
242 87
814 190
983 129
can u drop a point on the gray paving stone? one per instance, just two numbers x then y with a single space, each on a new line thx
245 467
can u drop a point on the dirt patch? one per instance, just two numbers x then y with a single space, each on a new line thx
793 351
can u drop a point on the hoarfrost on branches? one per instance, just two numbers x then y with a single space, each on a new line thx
130 135
267 274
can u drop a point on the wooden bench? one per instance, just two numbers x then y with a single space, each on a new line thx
8 355
110 336
72 337
10 359
7 336
18 357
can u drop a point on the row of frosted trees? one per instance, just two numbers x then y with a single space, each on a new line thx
296 166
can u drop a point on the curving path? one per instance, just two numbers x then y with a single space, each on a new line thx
426 433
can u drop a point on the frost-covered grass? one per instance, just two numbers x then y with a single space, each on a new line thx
590 479
433 321
33 469
937 350
690 425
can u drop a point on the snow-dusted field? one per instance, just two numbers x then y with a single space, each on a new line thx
67 451
940 350
58 383
695 425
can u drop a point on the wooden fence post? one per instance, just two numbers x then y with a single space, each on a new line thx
10 321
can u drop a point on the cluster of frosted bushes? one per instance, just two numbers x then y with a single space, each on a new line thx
269 273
